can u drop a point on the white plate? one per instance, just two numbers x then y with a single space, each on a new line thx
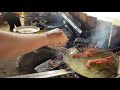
27 29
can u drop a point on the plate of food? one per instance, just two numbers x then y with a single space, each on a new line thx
27 29
89 63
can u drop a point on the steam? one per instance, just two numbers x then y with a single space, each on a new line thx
101 34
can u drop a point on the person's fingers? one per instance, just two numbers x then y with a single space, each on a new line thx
57 37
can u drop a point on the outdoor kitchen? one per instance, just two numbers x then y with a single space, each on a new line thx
91 37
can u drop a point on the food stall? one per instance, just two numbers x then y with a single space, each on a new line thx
91 51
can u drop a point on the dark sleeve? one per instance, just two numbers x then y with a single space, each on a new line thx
15 14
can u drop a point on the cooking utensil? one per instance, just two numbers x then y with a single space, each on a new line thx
76 49
109 50
70 22
46 74
79 65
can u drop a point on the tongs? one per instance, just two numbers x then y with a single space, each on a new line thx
109 50
78 48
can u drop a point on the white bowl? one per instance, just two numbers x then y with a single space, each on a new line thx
26 29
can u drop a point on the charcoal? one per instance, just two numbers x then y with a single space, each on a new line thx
46 66
29 61
81 42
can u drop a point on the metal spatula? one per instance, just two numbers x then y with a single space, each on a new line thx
47 74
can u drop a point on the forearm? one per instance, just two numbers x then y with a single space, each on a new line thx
13 45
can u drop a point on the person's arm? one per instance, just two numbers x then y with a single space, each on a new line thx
13 45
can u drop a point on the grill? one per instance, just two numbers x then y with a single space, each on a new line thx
56 62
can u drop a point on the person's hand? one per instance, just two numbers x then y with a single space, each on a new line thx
56 37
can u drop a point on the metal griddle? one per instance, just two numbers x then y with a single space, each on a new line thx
79 65
75 66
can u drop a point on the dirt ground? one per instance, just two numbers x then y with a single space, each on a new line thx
8 68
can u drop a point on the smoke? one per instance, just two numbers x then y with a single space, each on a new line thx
101 34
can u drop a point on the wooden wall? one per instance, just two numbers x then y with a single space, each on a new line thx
89 21
93 22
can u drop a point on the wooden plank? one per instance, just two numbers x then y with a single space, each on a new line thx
83 17
103 22
77 16
116 34
91 21
72 14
